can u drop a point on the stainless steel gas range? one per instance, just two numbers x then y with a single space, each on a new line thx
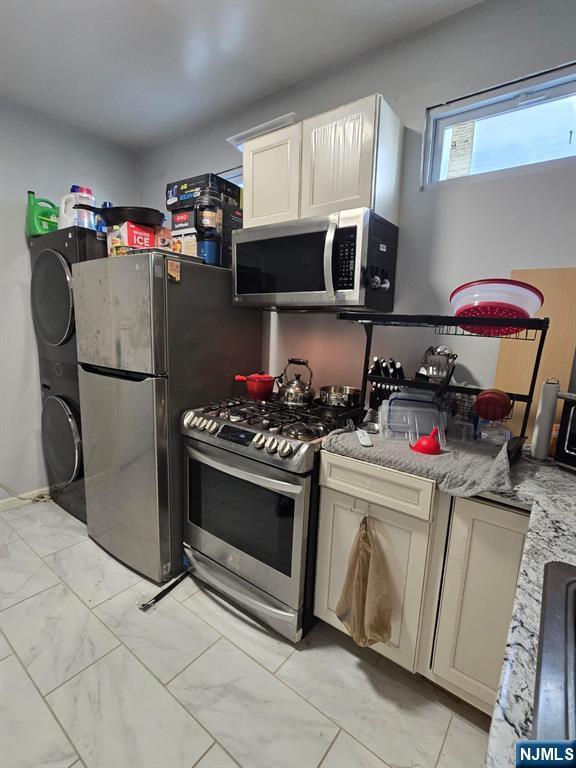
251 504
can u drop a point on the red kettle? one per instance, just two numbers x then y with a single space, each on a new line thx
259 385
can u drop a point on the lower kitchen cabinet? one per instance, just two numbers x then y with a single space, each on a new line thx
453 566
404 540
481 570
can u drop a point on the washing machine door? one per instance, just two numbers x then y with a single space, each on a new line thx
61 442
52 299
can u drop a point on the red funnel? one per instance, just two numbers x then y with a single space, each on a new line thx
428 444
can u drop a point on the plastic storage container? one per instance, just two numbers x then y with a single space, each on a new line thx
409 423
414 398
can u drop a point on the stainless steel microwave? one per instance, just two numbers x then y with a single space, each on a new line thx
343 260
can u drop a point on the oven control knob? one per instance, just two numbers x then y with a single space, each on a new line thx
212 427
188 419
259 440
285 449
271 445
202 424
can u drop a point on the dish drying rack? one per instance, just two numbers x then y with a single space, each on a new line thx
520 329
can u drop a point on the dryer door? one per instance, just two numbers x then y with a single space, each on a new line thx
61 442
51 295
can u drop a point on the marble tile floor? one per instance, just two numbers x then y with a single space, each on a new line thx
89 681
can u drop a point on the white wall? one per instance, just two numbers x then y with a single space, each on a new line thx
447 235
42 154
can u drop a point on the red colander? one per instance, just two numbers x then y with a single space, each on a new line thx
495 297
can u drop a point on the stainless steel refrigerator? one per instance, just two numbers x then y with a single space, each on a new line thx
156 335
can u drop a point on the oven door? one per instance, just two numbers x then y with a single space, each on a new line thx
309 262
250 518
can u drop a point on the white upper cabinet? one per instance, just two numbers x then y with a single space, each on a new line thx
346 158
351 159
271 165
338 158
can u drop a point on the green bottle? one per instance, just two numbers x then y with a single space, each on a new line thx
41 216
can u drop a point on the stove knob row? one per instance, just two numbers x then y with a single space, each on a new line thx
284 449
259 440
189 417
271 445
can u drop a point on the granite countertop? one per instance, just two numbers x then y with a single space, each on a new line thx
549 494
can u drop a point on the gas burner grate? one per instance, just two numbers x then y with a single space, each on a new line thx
306 422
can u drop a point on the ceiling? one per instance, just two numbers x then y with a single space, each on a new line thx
140 71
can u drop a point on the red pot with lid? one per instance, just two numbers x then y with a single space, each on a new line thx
259 385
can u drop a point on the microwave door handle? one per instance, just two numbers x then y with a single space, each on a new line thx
328 248
265 482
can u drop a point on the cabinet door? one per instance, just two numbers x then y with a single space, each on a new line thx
404 540
271 165
338 158
484 552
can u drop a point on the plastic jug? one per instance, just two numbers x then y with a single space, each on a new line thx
41 215
76 217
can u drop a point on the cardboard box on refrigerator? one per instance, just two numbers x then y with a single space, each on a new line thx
184 194
184 232
184 235
124 238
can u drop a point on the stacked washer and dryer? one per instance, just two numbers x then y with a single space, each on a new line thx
52 256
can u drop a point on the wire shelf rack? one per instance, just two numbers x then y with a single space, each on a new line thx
520 329
459 400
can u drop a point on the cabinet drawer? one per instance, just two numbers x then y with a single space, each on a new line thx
400 491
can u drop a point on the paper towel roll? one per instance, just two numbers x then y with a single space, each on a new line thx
545 416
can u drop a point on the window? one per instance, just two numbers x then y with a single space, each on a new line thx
526 122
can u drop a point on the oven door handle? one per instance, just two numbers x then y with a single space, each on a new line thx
230 469
328 248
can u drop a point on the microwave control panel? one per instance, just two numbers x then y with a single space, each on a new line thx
379 275
344 251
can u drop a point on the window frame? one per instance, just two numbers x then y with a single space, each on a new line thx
554 82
